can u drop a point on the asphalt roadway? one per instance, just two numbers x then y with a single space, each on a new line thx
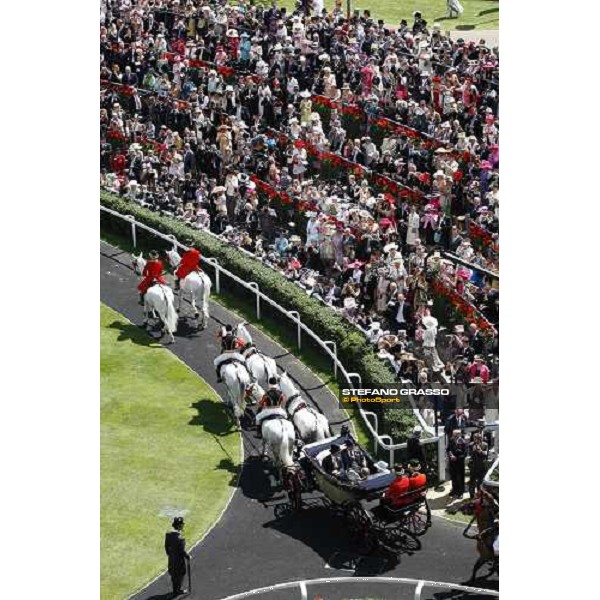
249 547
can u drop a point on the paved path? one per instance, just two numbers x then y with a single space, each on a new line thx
491 36
249 548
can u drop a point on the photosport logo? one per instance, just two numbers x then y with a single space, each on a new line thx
430 395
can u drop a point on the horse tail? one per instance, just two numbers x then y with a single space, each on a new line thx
206 293
171 316
285 449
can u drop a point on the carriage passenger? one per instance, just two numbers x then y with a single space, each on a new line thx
395 495
190 261
417 479
399 492
354 461
152 274
332 463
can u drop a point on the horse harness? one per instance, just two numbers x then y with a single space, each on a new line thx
300 406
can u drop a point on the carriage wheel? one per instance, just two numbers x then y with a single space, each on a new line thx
418 522
360 525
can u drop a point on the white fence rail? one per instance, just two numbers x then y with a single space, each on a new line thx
400 584
329 347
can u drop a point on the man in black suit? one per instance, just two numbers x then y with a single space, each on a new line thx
175 549
456 451
353 458
455 421
399 314
332 463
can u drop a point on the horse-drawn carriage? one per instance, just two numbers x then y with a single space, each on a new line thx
362 503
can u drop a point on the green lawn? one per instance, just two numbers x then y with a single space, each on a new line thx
478 14
165 446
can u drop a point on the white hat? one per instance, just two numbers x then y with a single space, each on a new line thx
429 322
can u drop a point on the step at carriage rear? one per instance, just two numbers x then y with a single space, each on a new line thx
361 503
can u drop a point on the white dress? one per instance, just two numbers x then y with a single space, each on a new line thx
412 235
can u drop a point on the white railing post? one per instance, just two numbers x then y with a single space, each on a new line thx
442 458
368 413
254 286
215 263
131 219
296 315
334 345
419 589
303 591
351 375
391 449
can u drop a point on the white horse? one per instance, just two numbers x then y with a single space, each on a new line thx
261 367
240 387
159 299
197 285
279 436
311 424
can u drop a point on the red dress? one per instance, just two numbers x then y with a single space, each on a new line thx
152 274
190 261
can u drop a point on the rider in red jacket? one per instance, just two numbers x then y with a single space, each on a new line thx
190 261
152 274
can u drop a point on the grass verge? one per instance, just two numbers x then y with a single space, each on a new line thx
478 14
166 447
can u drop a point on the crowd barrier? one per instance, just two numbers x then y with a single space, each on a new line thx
391 587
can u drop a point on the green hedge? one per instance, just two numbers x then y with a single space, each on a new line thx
354 350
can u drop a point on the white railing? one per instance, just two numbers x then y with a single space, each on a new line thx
328 346
419 587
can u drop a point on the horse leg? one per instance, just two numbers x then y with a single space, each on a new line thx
480 562
179 294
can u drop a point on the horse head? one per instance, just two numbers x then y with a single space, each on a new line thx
138 262
173 257
287 385
253 391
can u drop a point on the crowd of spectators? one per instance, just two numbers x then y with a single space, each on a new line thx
359 158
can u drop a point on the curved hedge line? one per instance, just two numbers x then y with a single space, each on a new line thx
353 348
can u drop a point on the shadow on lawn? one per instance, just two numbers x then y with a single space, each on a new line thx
131 332
213 417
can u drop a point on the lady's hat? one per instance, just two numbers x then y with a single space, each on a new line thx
305 94
391 246
429 322
243 177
